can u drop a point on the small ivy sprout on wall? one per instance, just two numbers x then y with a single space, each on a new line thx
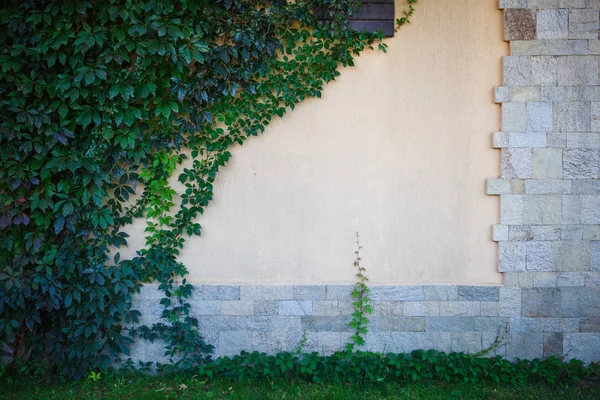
361 303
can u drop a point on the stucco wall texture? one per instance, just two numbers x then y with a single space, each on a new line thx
398 149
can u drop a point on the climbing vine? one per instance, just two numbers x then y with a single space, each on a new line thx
100 104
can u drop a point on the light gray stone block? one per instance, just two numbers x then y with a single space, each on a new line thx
404 293
571 232
571 209
544 71
276 342
498 186
338 292
402 324
205 307
553 24
332 307
513 4
561 93
422 308
542 3
518 279
588 93
386 308
584 140
570 255
542 209
517 71
490 324
582 346
296 307
514 117
591 232
489 308
595 254
266 307
570 279
572 117
586 186
466 342
547 163
510 302
527 345
309 292
539 116
525 93
232 343
512 256
329 342
583 24
580 163
516 163
577 71
557 139
547 186
571 3
265 323
478 293
220 292
548 47
539 256
589 325
595 116
330 324
569 302
217 323
517 186
532 232
553 344
460 308
500 234
149 291
276 292
499 140
237 307
592 278
502 94
590 209
544 279
450 324
527 139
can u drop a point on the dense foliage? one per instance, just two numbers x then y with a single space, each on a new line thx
98 103
359 368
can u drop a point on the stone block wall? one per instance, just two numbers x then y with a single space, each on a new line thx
548 236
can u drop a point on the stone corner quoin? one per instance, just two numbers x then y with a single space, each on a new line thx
548 234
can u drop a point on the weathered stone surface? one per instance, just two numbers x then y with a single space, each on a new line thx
547 186
276 292
232 343
571 211
516 163
277 323
217 323
489 308
583 24
500 233
586 186
460 308
205 307
531 232
525 345
548 47
542 209
328 342
518 280
591 232
220 292
570 302
582 346
580 163
237 308
309 292
517 71
553 24
542 3
510 302
422 308
590 209
512 256
547 163
502 94
386 308
517 139
450 324
499 140
561 93
404 293
490 324
296 307
544 324
519 24
595 254
557 139
402 324
553 344
524 93
466 342
539 256
513 3
332 307
544 71
570 255
498 186
330 324
517 186
275 342
577 71
584 140
539 116
544 279
266 307
570 279
338 292
589 325
480 293
572 117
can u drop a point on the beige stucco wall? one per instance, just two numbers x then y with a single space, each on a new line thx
398 148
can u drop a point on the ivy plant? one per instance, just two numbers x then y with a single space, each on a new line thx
100 104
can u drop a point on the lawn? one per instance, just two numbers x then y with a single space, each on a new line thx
177 387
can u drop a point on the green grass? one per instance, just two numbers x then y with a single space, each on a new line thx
176 387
